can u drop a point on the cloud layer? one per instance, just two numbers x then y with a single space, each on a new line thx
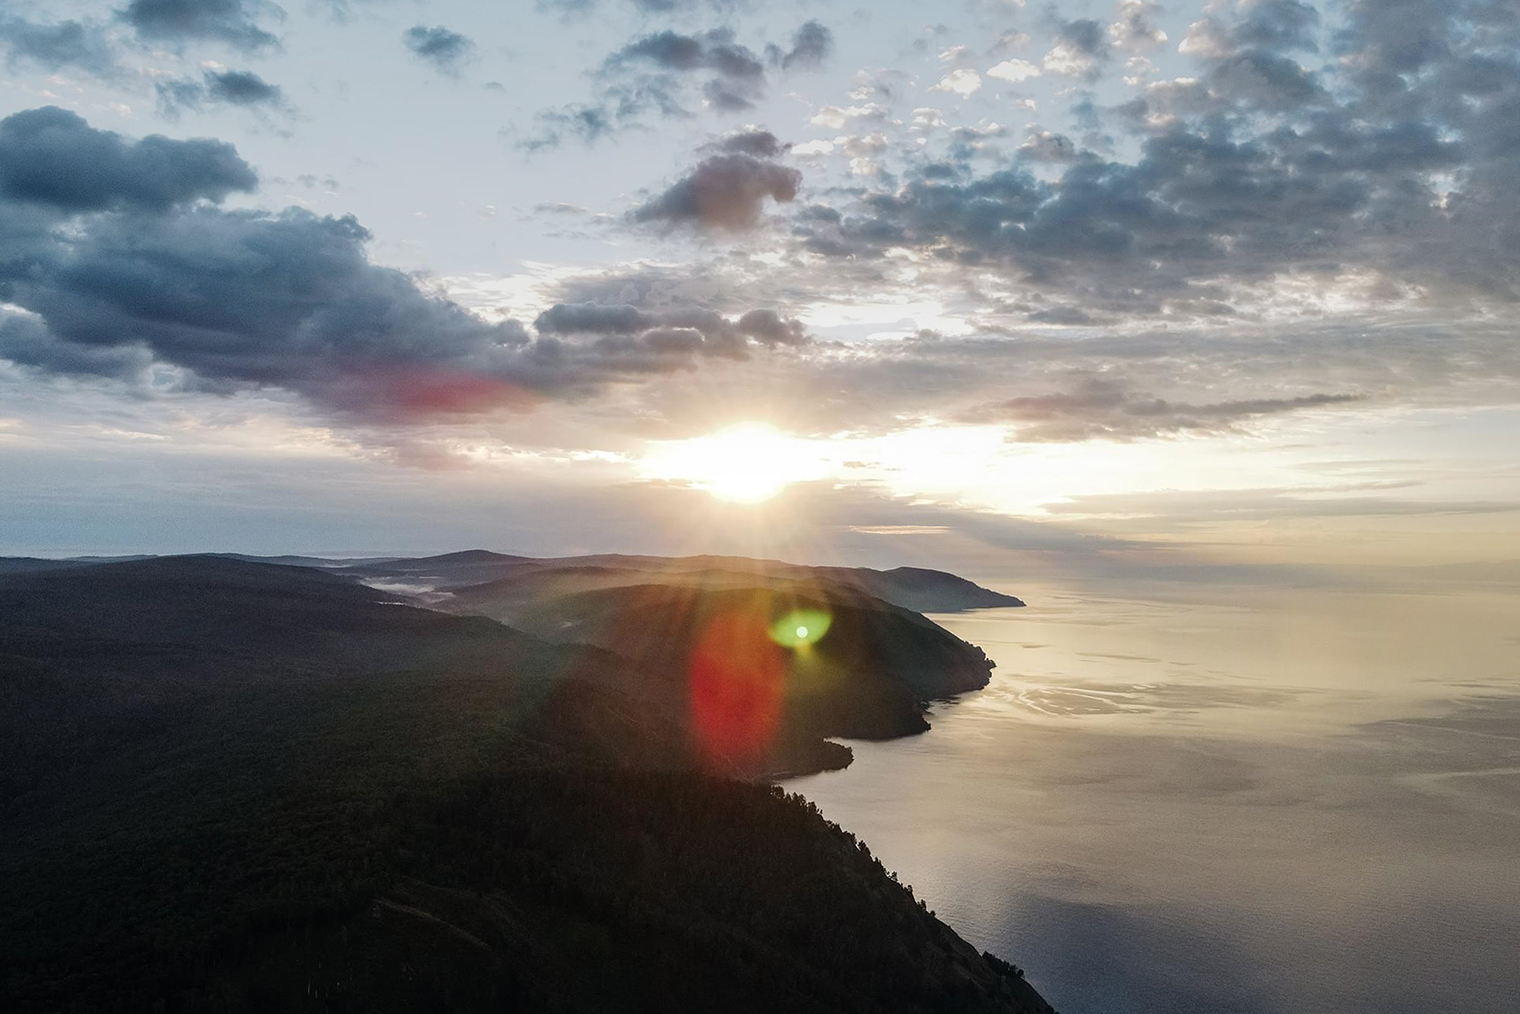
120 260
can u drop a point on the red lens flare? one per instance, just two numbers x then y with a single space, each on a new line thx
735 675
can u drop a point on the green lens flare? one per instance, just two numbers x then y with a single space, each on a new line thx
800 628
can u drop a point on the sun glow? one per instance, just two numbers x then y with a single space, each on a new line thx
746 463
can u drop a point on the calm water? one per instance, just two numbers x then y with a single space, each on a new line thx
1271 802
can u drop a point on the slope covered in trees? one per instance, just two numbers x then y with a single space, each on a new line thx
236 786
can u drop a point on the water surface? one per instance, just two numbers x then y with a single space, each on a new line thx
1272 801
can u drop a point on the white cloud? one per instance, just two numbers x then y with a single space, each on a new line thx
835 117
1014 70
812 149
960 82
927 118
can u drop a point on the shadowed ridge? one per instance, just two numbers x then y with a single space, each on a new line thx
868 675
31 564
245 787
467 556
35 564
925 590
913 588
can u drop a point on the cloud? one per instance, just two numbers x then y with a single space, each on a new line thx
239 299
79 44
963 82
579 318
233 87
842 117
1102 409
1194 507
759 143
771 328
1081 49
812 44
116 259
589 123
232 22
1253 175
1047 146
738 75
643 6
724 192
1252 367
629 331
1133 30
1268 25
439 46
764 325
1014 70
50 156
664 73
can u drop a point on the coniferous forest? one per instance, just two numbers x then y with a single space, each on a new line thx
234 786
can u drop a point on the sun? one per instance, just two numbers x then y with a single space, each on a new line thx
745 463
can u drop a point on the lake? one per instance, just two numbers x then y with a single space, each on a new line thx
1254 801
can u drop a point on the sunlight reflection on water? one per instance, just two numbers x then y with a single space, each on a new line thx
1280 802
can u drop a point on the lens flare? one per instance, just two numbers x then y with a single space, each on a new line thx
800 628
736 676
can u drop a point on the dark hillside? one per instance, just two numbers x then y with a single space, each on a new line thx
241 787
865 671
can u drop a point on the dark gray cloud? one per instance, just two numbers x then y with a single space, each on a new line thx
738 76
233 87
759 143
1047 146
724 192
620 105
1270 25
771 328
588 123
1081 49
112 260
1398 168
812 45
668 74
233 22
1099 408
580 318
715 51
52 157
644 6
437 45
1084 35
683 329
1265 80
78 44
290 300
241 88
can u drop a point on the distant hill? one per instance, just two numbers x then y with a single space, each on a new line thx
30 564
910 587
445 572
238 786
915 588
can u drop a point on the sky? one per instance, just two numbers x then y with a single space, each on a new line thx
1203 292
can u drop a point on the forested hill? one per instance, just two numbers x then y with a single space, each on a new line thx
233 786
909 587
